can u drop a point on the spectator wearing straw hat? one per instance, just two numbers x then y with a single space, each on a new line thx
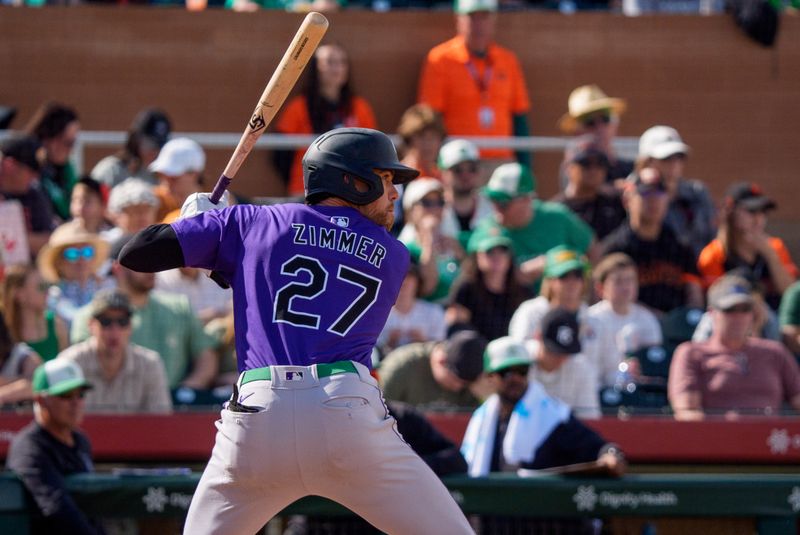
52 447
70 262
477 85
591 112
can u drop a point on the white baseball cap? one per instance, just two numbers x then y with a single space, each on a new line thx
661 142
131 192
454 152
417 189
178 156
58 376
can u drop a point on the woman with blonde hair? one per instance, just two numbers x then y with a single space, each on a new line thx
17 362
26 314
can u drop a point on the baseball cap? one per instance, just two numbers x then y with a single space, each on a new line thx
661 142
418 188
508 181
153 124
729 291
562 259
505 352
560 331
486 239
646 180
582 149
131 192
58 376
24 149
109 299
749 196
178 156
466 7
457 151
464 354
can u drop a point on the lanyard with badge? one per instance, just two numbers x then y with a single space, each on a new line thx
485 112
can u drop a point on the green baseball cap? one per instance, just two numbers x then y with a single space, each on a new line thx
508 181
562 259
486 239
503 353
466 7
58 376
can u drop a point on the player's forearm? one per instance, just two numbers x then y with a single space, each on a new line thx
155 248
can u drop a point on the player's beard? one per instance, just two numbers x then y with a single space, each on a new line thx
380 215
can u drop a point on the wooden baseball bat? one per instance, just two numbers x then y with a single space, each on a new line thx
294 60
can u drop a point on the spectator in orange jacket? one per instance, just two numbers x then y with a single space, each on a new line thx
328 101
742 242
477 85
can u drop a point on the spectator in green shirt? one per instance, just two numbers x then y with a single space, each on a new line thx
162 322
534 226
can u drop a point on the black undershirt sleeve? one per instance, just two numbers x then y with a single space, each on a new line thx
155 248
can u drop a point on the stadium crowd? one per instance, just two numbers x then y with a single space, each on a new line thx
632 287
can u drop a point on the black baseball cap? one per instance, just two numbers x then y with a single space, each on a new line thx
109 299
583 149
24 149
749 196
153 124
561 332
464 354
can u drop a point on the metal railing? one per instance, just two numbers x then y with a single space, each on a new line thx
626 146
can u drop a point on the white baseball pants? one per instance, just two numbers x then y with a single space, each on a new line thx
329 436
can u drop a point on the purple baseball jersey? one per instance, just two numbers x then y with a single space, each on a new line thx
311 284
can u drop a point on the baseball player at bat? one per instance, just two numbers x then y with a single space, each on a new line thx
312 287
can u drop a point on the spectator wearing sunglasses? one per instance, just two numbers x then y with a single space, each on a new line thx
521 426
466 204
587 193
667 269
127 378
743 242
732 372
70 262
591 112
437 253
52 447
162 322
691 211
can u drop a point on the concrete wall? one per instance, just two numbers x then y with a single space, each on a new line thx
734 102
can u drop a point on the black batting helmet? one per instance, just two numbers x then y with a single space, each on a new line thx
337 157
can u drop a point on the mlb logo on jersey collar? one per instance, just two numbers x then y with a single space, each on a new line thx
340 221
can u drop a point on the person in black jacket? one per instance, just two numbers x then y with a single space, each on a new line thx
50 448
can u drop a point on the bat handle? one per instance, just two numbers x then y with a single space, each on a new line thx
219 189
